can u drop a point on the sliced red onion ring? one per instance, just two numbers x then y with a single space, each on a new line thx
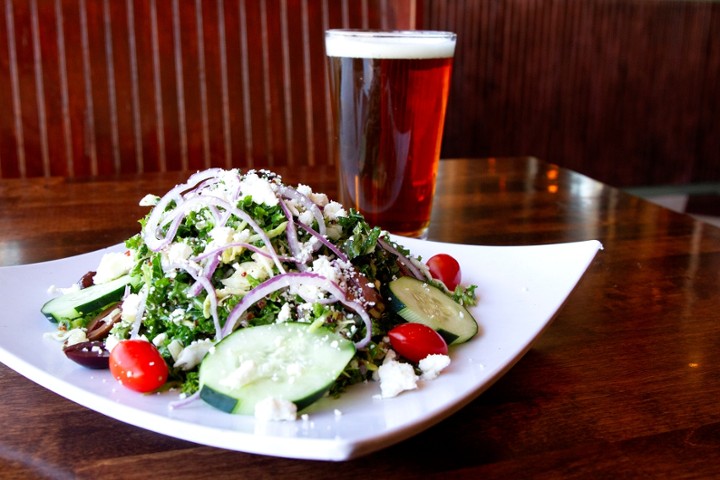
292 194
175 194
205 201
403 259
338 253
296 278
291 234
184 401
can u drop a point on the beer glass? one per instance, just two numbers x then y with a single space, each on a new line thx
389 92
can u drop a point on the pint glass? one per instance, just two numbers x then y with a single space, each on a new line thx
389 93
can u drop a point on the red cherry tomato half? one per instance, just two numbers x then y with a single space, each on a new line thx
415 341
138 365
445 268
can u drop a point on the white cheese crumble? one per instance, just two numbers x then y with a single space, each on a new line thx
323 266
275 409
306 217
129 308
396 377
244 374
192 355
113 265
110 342
53 290
178 252
284 313
319 199
259 189
76 335
149 200
432 365
333 210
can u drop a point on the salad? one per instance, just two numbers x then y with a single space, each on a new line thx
260 298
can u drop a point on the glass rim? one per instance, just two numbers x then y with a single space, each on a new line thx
366 33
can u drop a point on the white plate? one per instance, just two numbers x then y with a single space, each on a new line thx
520 290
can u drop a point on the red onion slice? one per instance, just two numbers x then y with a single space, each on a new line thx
338 253
402 258
292 194
296 278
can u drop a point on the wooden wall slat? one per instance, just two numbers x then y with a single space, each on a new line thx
623 90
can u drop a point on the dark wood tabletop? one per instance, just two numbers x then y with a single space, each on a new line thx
624 383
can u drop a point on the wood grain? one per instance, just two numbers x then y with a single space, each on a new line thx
624 91
623 384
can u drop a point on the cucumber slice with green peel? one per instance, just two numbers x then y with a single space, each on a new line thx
421 302
70 306
290 361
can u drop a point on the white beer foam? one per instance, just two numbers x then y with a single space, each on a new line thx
387 45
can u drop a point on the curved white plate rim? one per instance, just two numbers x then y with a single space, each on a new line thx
520 288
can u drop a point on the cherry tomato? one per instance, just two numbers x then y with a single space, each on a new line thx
138 365
445 268
415 341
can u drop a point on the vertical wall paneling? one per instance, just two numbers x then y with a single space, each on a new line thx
92 87
625 91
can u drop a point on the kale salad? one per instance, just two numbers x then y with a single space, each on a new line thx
258 297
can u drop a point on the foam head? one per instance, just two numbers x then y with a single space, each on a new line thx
408 44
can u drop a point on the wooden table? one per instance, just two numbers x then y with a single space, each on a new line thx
625 382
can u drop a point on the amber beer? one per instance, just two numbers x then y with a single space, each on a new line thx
389 92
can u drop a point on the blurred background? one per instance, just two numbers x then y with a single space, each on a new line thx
624 91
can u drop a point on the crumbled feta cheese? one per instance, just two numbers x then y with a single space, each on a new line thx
319 199
259 189
306 217
193 354
294 369
223 236
110 342
53 290
177 316
284 313
275 409
113 265
220 236
149 200
178 252
129 308
244 374
76 335
323 266
333 210
396 377
227 186
432 365
304 189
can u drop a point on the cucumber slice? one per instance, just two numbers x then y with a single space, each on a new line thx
289 361
420 302
76 304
